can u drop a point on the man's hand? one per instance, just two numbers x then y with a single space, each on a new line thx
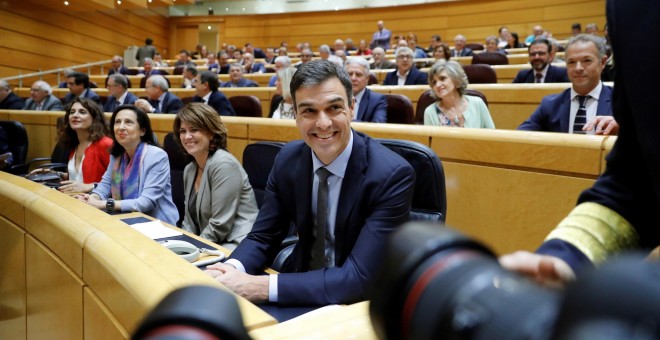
547 270
603 125
144 105
253 288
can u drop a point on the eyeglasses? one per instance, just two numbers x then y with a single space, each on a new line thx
404 57
538 54
35 90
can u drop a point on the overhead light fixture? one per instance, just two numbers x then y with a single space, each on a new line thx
118 2
209 27
66 3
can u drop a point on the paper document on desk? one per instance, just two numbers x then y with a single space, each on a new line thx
155 230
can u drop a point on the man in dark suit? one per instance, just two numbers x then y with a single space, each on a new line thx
587 103
236 78
370 106
159 99
256 52
78 84
119 95
42 99
207 92
250 66
148 68
146 51
542 71
619 213
459 47
366 190
118 66
406 72
8 99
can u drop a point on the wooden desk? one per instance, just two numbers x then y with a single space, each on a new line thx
332 322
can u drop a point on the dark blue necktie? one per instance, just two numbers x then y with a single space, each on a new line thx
318 248
581 115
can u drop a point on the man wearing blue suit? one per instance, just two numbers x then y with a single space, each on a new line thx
370 106
542 70
367 195
118 66
206 86
78 84
406 73
118 90
585 59
160 100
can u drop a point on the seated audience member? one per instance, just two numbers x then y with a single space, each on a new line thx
402 43
220 204
183 59
282 51
138 176
270 56
189 76
118 91
341 54
282 105
78 84
207 92
541 71
339 45
369 106
326 54
418 52
42 99
344 212
502 37
380 63
448 83
236 78
576 29
350 45
512 41
250 66
118 66
84 136
491 45
441 53
8 99
223 63
554 48
6 157
238 57
406 72
617 215
66 73
254 51
435 42
537 33
591 29
459 47
585 107
281 62
148 68
363 49
200 52
158 61
306 56
211 62
159 99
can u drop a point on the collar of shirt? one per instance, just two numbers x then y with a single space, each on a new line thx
358 99
206 98
161 99
594 93
122 97
338 166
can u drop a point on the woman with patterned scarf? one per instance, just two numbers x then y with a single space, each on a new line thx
138 177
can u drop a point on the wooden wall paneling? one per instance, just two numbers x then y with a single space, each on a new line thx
99 323
54 295
13 287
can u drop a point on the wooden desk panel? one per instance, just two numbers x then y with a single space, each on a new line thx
13 287
99 323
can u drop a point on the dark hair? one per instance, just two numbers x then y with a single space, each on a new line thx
210 78
191 68
143 121
149 41
68 138
538 41
80 78
516 40
204 118
576 26
445 50
436 38
316 72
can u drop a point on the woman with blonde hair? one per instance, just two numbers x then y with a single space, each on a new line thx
282 107
219 201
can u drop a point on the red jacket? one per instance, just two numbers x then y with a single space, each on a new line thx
97 158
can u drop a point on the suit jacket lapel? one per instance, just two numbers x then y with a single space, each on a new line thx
604 107
350 193
565 110
363 105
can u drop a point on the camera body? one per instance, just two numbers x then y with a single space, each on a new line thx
439 284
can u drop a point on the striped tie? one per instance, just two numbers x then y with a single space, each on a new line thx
581 115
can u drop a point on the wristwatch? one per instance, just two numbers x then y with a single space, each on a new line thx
110 205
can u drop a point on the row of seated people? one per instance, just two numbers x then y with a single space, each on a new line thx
450 108
123 169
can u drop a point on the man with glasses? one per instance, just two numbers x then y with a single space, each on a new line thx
542 71
42 99
119 95
306 56
406 72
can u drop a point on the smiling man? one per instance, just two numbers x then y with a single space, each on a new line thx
406 73
369 106
367 190
586 107
542 71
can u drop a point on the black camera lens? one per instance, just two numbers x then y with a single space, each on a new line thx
438 284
